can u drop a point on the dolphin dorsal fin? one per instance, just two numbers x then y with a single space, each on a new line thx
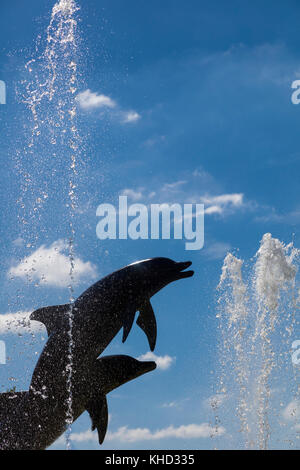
98 411
54 317
147 322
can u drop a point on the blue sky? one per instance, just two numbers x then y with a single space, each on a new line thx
176 102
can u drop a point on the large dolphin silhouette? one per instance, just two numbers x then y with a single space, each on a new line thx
111 303
35 419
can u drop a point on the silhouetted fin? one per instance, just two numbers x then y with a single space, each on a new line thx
128 322
9 402
98 412
54 317
147 321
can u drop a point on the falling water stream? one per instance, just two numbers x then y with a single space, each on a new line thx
258 318
50 91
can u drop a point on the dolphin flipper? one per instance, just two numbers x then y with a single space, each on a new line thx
53 317
147 322
128 322
98 411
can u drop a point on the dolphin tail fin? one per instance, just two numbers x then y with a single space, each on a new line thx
52 317
129 318
147 322
98 411
9 402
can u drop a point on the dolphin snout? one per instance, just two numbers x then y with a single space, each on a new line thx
146 366
181 267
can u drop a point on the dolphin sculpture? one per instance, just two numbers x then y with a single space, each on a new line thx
89 324
34 420
78 334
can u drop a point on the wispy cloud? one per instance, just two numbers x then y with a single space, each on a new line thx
221 203
88 100
162 362
235 199
216 250
171 404
154 141
51 266
186 190
18 242
173 186
271 215
125 434
131 116
175 404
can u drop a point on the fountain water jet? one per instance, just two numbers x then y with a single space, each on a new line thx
53 146
257 321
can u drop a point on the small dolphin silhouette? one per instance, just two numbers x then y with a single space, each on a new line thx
34 420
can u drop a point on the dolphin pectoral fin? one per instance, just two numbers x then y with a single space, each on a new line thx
147 322
53 317
98 412
128 322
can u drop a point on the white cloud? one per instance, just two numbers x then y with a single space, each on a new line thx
89 100
235 199
213 210
51 266
162 362
125 434
131 116
132 194
19 323
223 202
